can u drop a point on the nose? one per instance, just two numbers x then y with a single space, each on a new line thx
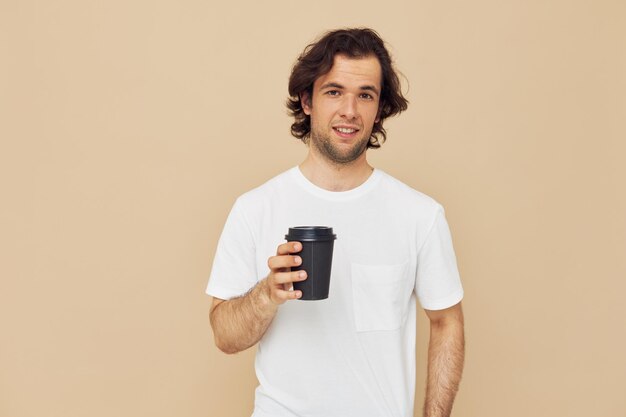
349 107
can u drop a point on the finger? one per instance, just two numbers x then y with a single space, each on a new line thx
289 247
289 277
282 295
283 261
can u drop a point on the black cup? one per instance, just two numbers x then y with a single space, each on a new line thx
317 258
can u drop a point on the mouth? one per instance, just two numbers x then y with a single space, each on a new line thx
345 132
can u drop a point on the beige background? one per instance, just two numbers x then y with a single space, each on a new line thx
128 128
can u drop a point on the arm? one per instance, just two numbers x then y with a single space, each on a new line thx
241 322
446 351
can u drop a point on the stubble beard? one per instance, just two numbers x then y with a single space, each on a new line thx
323 143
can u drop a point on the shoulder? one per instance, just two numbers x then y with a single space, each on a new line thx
404 194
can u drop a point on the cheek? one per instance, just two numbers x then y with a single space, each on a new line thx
322 113
372 114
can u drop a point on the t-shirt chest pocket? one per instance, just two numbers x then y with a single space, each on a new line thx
380 295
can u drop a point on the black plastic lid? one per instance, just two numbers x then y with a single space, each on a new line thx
310 233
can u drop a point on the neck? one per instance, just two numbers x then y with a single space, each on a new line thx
335 177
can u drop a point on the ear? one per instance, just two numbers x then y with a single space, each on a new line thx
305 102
378 115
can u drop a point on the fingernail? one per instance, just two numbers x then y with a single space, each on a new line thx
297 259
302 274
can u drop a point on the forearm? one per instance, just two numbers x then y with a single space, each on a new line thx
446 352
240 323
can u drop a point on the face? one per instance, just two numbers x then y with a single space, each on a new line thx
344 108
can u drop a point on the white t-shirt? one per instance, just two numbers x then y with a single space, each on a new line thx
352 354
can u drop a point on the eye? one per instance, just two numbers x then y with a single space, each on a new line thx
332 93
366 96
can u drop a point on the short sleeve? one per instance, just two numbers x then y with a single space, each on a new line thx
234 271
438 284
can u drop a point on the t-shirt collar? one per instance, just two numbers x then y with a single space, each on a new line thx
358 191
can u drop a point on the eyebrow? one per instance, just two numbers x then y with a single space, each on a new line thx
341 87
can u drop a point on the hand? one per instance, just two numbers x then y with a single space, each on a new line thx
281 278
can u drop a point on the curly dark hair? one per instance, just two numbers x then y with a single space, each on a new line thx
317 59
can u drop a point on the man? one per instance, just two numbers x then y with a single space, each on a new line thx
353 354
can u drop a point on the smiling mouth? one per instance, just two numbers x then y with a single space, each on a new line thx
345 132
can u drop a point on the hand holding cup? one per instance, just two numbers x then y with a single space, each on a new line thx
282 276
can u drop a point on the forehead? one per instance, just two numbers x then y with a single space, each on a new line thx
353 72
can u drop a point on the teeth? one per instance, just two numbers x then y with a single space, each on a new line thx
345 130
